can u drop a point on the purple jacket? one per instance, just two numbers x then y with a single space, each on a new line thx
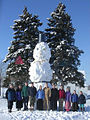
68 96
18 94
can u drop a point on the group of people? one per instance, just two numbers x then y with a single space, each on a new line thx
45 99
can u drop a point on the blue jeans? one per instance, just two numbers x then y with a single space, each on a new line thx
26 103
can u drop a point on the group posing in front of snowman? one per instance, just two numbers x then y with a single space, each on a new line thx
44 99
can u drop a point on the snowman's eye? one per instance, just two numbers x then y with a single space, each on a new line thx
37 48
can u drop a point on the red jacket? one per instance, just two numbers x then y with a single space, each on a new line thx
61 94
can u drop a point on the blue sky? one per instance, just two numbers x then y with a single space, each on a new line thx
79 10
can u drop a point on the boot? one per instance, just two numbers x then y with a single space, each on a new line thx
10 110
81 109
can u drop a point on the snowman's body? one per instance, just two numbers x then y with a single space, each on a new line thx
40 70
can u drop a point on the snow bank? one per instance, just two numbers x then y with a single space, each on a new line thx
41 115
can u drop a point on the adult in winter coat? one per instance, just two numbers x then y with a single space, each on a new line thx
40 97
68 100
74 100
10 95
82 101
47 92
19 102
32 94
61 98
25 96
53 98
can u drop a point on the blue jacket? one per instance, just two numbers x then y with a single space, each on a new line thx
40 94
74 98
10 94
18 94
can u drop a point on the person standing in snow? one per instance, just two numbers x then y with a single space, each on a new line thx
74 100
40 97
82 101
47 92
10 95
68 100
32 94
19 102
25 96
61 98
53 98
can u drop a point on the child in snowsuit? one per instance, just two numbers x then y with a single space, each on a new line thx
19 102
74 100
82 101
68 100
40 97
10 95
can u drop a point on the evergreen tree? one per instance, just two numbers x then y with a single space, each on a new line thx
65 55
25 39
6 82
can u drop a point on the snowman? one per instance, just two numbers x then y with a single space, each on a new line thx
40 71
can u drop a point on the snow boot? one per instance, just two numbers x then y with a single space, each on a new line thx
81 109
9 110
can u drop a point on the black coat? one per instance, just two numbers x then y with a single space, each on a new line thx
82 99
54 94
32 91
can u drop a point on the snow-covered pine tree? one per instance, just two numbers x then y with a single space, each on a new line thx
25 39
65 55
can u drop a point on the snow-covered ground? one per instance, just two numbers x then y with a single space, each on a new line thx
41 115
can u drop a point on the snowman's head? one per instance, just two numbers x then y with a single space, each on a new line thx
42 52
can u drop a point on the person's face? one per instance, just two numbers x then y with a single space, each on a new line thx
80 93
74 92
53 86
20 87
46 85
11 86
67 89
40 87
61 87
32 84
26 84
